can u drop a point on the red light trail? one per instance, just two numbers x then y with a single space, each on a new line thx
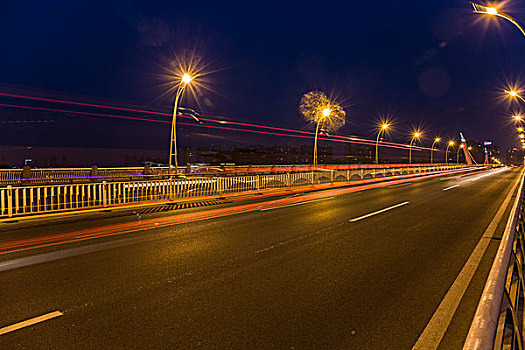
332 137
309 136
7 247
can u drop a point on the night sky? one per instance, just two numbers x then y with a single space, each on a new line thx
432 64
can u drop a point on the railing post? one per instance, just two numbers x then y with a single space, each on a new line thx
26 174
288 180
9 201
104 194
94 172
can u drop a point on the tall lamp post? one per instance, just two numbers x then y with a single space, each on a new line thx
185 80
450 143
493 11
325 114
383 128
415 136
437 139
457 153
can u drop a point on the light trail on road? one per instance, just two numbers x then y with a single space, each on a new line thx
148 224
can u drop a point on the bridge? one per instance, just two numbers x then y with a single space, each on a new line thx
414 256
41 191
27 175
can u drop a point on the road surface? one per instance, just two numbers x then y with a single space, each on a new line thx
330 270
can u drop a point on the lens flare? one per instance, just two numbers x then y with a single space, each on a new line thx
316 108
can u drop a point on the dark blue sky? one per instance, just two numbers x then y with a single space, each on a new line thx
428 63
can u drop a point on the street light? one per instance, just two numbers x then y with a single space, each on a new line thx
382 129
437 139
520 129
317 108
518 118
415 135
493 11
515 94
325 114
450 143
457 155
184 81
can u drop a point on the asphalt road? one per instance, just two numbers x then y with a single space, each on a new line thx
317 275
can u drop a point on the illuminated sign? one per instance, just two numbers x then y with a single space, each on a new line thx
487 143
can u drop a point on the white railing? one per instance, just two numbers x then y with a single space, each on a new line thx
499 319
29 200
35 176
65 175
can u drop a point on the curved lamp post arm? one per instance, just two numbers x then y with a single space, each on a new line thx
431 151
410 151
315 143
377 146
520 97
485 10
173 143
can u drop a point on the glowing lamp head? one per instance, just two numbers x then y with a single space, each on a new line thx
451 143
437 139
417 134
521 136
517 117
462 146
384 126
186 78
492 11
326 112
470 148
520 129
512 93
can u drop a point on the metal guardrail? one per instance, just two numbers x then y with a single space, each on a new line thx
70 175
29 200
35 176
498 322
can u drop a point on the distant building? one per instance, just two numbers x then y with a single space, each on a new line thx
514 156
357 154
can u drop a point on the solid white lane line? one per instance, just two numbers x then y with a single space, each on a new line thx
378 212
400 185
438 324
448 188
299 203
281 244
29 322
